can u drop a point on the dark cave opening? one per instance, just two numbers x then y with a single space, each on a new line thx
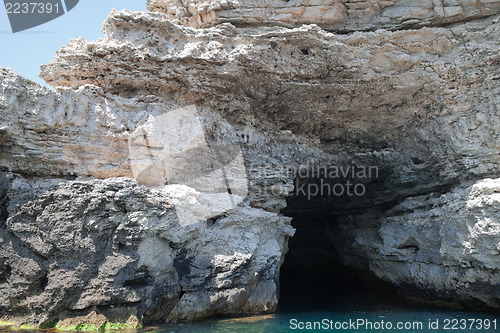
321 271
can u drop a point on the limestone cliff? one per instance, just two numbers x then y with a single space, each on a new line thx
408 87
335 15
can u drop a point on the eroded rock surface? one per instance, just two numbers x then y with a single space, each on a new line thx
117 248
436 245
362 91
335 15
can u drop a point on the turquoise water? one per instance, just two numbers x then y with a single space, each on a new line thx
447 321
382 311
342 308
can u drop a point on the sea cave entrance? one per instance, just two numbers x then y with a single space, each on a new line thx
322 271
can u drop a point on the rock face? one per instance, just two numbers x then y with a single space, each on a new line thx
83 242
71 246
445 244
92 251
335 15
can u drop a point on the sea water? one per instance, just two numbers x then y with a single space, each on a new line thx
417 321
316 310
347 313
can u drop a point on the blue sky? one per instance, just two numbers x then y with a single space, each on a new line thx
25 51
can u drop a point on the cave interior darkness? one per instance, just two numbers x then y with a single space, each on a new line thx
313 276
